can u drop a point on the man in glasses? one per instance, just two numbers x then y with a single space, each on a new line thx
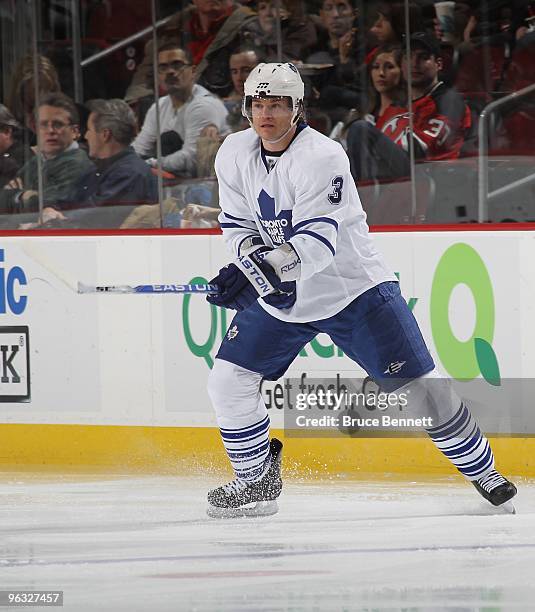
105 195
184 112
62 160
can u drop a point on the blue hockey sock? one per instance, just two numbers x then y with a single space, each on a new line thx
248 448
462 442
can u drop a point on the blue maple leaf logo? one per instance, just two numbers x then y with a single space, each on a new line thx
278 227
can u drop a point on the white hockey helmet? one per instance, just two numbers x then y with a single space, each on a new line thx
274 80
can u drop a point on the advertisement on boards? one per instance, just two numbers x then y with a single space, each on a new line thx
144 359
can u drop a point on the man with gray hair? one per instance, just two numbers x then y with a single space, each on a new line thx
11 147
119 180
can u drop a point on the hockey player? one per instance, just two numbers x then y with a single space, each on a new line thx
305 264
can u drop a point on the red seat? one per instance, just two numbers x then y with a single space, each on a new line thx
481 70
521 70
517 133
116 20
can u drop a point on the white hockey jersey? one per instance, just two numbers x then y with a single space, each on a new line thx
307 198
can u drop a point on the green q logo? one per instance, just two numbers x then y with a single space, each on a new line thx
461 264
199 348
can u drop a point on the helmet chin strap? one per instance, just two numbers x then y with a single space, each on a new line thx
292 125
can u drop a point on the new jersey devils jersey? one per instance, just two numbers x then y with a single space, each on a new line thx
441 120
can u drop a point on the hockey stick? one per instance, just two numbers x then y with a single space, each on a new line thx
83 288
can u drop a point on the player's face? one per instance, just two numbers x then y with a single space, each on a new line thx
271 118
337 16
385 73
241 65
423 66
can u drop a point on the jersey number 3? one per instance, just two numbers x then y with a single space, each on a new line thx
335 197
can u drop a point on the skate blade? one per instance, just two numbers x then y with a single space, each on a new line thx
264 508
508 507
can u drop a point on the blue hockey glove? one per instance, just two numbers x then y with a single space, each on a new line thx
241 285
284 297
235 291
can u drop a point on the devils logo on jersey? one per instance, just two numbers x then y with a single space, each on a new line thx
397 129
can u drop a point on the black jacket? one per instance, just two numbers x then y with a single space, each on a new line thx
10 162
114 185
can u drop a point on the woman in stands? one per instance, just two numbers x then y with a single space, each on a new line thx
388 26
21 92
387 88
373 157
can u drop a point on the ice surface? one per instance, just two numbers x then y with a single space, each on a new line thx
145 543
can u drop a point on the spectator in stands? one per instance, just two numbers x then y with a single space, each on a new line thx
119 180
184 112
386 97
340 87
387 90
298 33
336 33
440 120
267 17
208 30
241 62
11 147
62 159
21 92
523 20
389 25
489 24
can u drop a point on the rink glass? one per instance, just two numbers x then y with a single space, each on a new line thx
94 50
